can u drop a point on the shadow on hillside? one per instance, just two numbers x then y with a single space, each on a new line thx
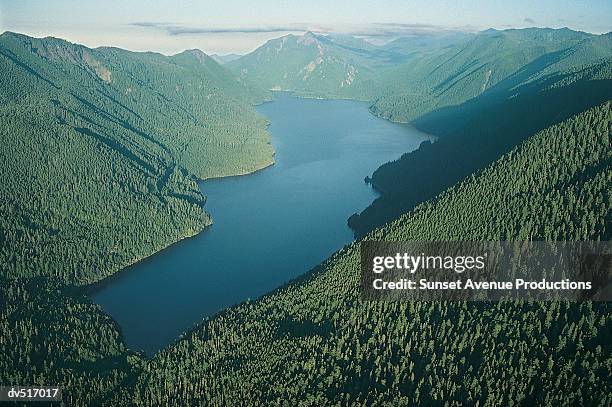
446 120
489 127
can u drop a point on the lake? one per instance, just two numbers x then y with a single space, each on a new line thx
269 227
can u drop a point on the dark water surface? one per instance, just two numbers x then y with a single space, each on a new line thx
269 227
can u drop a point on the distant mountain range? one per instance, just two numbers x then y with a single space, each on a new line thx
488 62
338 66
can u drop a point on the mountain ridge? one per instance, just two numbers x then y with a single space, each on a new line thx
148 124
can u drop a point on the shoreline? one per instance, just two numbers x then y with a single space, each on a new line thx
92 288
240 174
296 95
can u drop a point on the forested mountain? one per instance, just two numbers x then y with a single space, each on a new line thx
316 65
98 147
310 65
53 334
477 131
407 77
100 152
335 65
316 342
420 44
454 75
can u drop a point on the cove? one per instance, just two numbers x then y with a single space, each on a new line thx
269 227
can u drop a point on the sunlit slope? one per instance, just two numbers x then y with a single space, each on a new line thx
97 148
335 65
314 65
459 73
315 342
195 107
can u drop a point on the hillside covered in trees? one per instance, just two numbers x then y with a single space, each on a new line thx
53 334
475 128
316 342
101 149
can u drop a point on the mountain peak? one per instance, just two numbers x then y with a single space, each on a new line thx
195 51
308 38
198 54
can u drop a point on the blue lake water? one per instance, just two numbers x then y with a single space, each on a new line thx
269 227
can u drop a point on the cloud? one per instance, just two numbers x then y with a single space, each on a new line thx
174 29
529 20
376 30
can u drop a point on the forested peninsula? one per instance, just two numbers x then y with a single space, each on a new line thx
102 148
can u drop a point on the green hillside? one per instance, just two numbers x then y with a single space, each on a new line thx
315 342
456 74
98 148
52 334
334 65
315 65
476 132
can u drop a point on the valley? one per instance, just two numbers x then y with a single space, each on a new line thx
110 157
293 213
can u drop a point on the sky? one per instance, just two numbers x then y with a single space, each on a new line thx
239 26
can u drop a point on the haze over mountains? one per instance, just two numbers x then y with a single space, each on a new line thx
101 149
338 66
225 58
